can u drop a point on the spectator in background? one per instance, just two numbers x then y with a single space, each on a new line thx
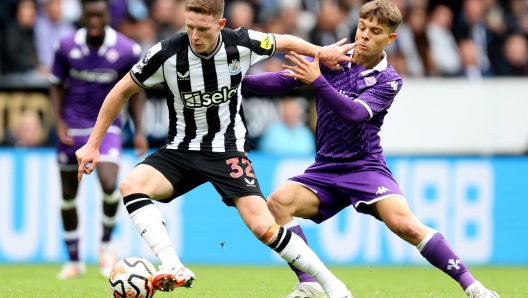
162 14
402 53
515 57
240 14
444 49
517 18
330 27
19 56
468 54
49 29
417 22
291 135
28 131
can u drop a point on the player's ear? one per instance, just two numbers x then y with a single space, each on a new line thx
222 23
392 38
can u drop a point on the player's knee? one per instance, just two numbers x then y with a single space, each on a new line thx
279 203
404 227
127 186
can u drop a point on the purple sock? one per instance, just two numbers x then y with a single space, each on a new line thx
301 275
107 232
440 255
73 249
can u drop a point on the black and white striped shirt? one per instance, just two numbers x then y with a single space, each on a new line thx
203 92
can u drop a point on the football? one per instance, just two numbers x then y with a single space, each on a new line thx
132 278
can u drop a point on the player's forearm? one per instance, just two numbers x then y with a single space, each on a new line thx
111 107
137 103
269 83
348 110
286 43
56 93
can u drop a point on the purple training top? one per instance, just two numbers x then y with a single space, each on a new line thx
90 73
375 89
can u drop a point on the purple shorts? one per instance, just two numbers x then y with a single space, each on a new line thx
339 185
111 148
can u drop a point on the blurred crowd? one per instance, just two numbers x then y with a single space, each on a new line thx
438 38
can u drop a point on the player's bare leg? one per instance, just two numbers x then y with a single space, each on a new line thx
138 188
74 267
289 246
107 174
288 200
396 214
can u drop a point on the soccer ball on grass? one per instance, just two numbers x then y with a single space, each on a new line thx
132 278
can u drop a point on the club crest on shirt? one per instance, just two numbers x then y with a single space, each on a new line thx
112 55
369 81
234 67
75 54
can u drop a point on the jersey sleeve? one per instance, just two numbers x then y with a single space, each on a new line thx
59 69
262 45
380 96
148 71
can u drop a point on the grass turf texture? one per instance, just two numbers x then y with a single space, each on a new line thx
249 282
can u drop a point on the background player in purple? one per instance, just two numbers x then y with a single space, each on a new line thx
87 65
349 166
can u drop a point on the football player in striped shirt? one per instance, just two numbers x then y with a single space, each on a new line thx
201 71
349 166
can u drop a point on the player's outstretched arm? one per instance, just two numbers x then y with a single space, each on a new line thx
349 111
269 83
112 105
331 55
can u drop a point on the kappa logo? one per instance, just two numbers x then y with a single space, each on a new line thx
234 67
250 182
75 54
369 81
394 85
382 190
183 77
453 264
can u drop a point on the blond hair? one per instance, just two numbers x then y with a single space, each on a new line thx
385 11
208 7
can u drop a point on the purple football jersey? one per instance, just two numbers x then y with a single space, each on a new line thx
375 89
90 73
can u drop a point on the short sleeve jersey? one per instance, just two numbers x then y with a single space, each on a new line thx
90 73
203 90
375 89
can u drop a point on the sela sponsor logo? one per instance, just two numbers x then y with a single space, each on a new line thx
453 264
266 42
234 67
102 75
183 77
394 85
75 54
382 190
369 81
196 100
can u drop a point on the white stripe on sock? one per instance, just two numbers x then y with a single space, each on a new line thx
111 198
71 235
428 237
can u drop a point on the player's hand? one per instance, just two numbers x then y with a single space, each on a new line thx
335 53
140 144
88 158
62 133
303 70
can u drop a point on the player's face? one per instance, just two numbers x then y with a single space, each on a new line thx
203 31
372 37
95 17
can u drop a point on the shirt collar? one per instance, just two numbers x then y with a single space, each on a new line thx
381 66
109 41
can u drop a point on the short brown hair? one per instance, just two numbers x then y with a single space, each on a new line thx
385 11
209 7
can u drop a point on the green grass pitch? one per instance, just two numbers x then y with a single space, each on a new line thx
263 282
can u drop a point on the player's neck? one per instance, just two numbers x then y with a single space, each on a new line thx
97 41
368 62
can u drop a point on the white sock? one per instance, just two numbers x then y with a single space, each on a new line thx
150 225
297 253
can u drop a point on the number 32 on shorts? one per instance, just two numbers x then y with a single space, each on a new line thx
237 170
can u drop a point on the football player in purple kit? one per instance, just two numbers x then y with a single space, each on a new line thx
349 166
87 66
